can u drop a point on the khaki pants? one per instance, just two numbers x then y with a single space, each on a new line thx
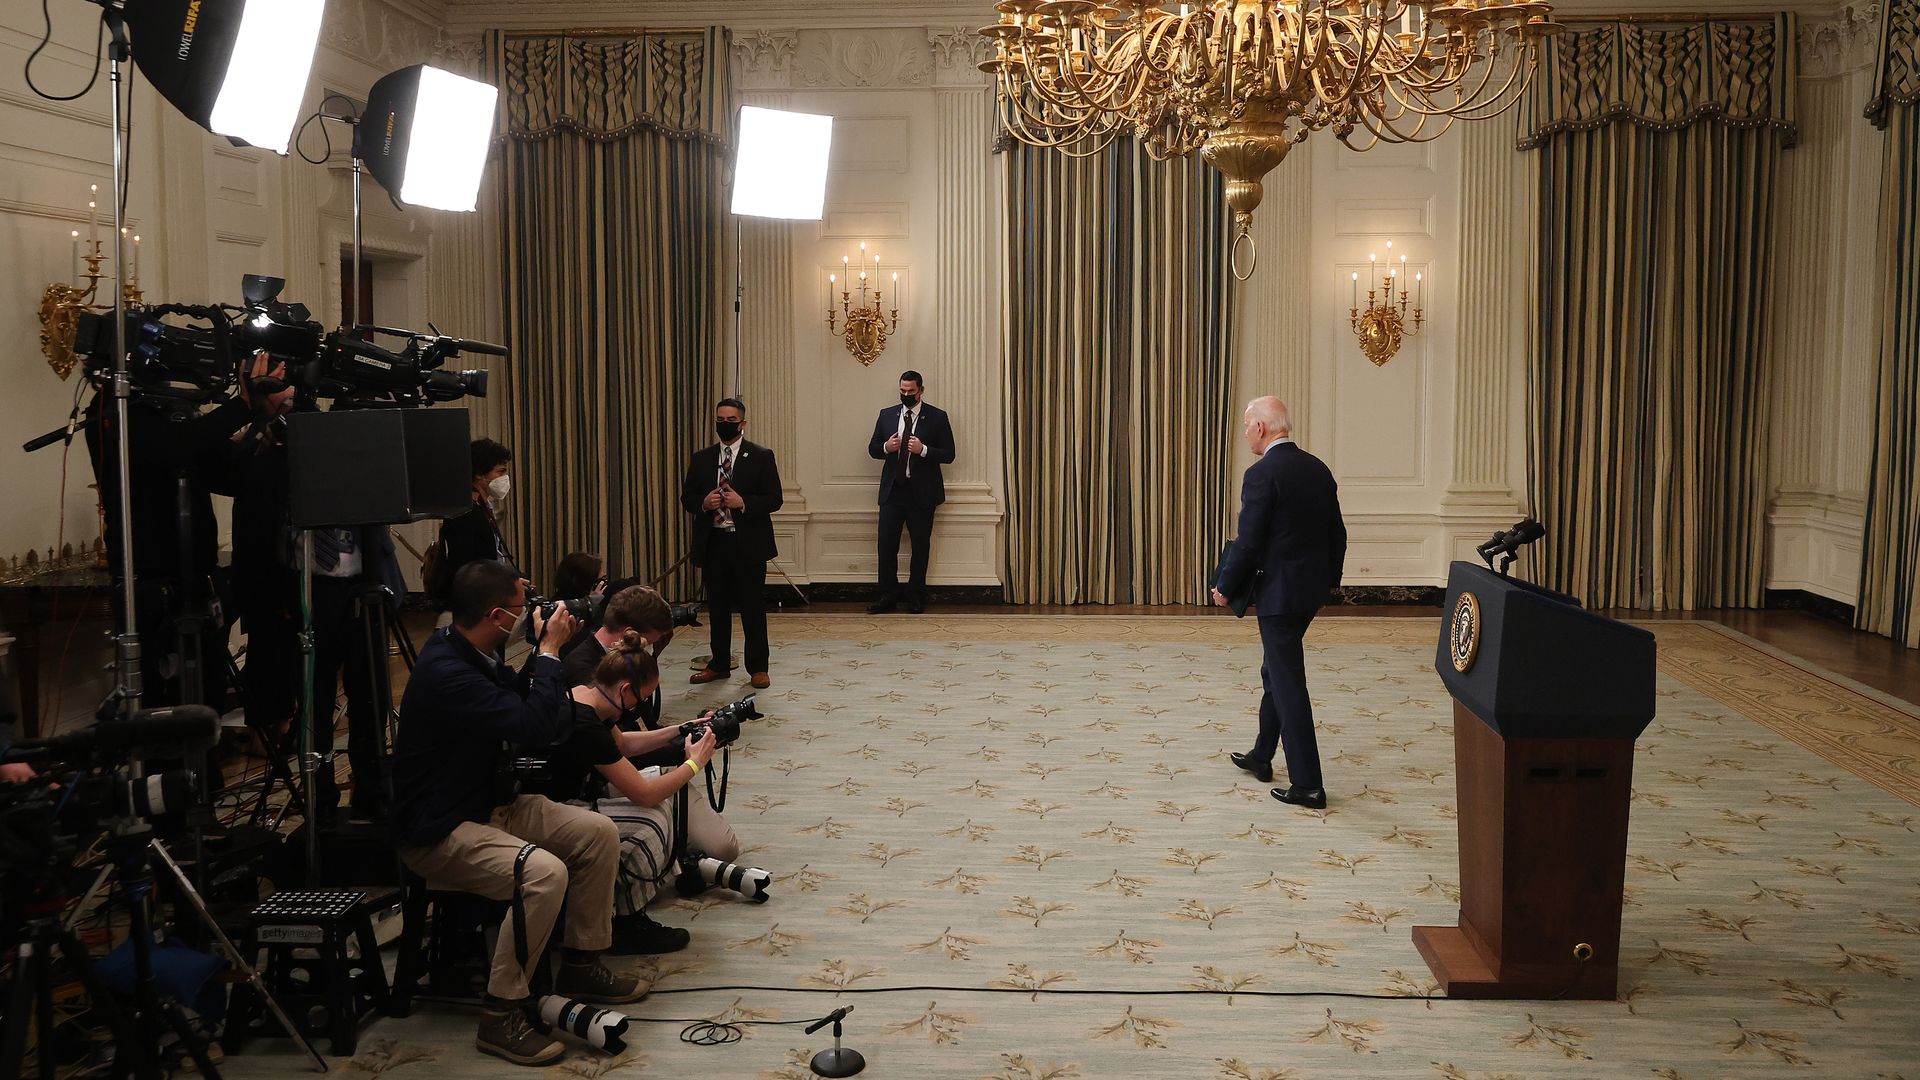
578 858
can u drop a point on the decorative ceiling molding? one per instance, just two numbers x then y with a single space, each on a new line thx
1839 41
378 33
869 59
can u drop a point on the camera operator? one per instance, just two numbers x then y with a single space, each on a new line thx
474 535
593 765
458 831
167 439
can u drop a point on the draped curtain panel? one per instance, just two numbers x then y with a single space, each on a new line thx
1119 368
1890 571
614 152
1648 419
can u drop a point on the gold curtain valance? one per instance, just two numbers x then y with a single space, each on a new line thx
610 86
1897 82
1665 75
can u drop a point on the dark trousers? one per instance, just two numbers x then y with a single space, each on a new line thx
735 582
894 513
1286 712
341 646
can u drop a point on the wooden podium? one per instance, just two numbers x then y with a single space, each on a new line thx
1548 700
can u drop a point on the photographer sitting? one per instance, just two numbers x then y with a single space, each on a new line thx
593 766
458 831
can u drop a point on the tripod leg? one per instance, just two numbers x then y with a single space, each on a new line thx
28 966
252 977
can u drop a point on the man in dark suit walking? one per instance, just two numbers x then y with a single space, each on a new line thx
1291 535
732 489
914 439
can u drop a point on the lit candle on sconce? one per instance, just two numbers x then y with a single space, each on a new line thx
1356 290
136 257
93 214
830 282
76 255
1420 291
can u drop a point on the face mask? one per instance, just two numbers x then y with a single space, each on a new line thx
499 486
519 622
908 401
728 430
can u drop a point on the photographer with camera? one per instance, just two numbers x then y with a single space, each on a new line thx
458 831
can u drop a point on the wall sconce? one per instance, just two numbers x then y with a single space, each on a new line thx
1382 324
62 303
866 330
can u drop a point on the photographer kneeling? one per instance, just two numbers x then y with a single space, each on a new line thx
460 830
593 766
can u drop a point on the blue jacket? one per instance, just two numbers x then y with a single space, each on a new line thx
459 707
1290 528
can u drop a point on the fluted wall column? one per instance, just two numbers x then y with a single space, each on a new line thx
1273 336
966 300
766 331
1493 210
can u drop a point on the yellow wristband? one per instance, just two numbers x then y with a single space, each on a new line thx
694 765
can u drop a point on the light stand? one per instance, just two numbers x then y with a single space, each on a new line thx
127 686
838 1061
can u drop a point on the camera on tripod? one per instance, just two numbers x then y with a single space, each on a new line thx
344 364
178 364
725 722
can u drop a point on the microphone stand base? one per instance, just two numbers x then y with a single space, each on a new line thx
838 1061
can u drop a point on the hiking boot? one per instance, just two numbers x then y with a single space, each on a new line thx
589 980
507 1033
638 935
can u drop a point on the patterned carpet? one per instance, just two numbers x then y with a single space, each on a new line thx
1030 804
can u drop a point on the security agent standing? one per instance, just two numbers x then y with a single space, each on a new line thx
915 440
732 489
458 830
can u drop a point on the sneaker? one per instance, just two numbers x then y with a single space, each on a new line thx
639 935
589 980
510 1035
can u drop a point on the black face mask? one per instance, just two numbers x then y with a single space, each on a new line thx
728 430
908 401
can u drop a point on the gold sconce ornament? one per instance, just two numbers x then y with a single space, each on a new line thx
867 327
1386 320
62 303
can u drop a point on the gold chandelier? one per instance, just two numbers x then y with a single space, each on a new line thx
1242 81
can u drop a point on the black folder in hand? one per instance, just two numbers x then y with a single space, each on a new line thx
1240 601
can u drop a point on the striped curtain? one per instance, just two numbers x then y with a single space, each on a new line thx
1890 572
1118 365
613 213
1648 416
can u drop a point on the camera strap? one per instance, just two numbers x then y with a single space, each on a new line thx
520 907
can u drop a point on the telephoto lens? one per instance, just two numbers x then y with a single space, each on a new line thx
699 873
602 1029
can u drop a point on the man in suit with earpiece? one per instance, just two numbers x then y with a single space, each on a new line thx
1292 534
732 489
914 439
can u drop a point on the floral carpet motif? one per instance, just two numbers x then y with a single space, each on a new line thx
990 810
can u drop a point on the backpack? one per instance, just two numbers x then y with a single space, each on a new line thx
436 572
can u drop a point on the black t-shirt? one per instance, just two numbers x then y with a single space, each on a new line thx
572 763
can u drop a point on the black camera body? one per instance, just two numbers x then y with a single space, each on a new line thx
725 722
184 364
588 609
686 614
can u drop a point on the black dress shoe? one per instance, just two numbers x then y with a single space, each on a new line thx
1312 800
1261 770
880 607
917 606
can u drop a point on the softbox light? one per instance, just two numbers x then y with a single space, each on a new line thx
236 67
780 169
424 136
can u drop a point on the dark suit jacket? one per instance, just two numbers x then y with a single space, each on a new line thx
933 429
473 536
1290 527
756 478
